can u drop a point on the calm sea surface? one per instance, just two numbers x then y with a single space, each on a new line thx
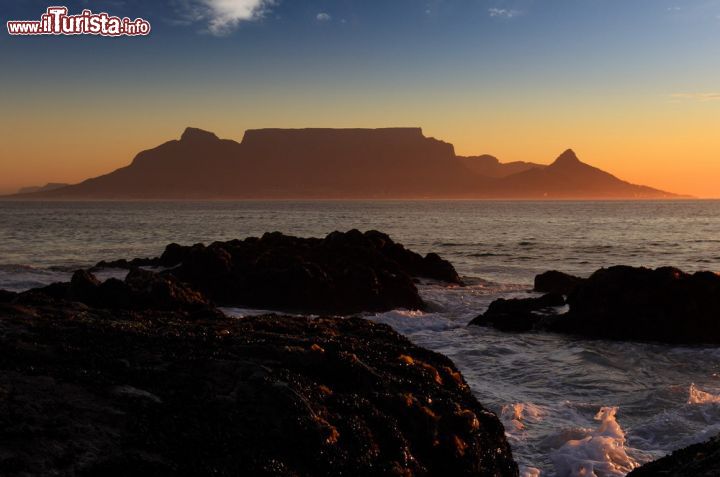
570 406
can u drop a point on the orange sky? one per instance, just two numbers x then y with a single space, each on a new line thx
665 142
633 89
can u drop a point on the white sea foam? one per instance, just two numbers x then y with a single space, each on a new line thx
515 417
601 453
103 274
19 278
412 321
529 472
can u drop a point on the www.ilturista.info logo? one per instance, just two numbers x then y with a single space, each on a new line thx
56 21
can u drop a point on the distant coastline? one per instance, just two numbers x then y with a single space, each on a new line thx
339 164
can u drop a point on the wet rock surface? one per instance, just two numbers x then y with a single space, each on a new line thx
699 460
140 290
520 314
341 273
556 282
86 391
629 303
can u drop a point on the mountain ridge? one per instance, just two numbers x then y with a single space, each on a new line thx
325 163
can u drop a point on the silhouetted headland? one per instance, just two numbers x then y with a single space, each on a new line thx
337 164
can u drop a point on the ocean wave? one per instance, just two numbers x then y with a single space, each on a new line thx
18 277
697 396
515 417
600 453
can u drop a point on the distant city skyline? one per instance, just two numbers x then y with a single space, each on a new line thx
633 87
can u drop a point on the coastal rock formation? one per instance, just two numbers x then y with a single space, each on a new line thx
556 282
140 290
699 460
628 303
90 391
520 314
631 303
341 273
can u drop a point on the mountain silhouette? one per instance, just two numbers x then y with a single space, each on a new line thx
48 186
490 166
339 163
568 177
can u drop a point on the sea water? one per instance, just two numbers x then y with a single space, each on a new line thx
571 407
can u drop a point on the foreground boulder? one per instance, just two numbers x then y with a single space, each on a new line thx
87 391
628 303
342 273
520 314
141 290
699 460
556 282
631 303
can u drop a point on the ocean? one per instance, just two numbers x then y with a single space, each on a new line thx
570 406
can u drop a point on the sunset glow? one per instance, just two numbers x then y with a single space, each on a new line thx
633 88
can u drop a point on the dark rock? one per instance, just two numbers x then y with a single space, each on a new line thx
87 391
699 460
342 273
173 255
162 292
128 264
83 287
431 266
520 314
556 282
141 290
643 304
7 296
628 303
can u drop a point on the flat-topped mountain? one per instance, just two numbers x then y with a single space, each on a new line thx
338 163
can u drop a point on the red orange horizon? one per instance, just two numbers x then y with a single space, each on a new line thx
80 160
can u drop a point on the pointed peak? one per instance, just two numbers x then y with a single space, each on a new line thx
567 157
195 134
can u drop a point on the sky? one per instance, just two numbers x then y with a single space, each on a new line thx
633 86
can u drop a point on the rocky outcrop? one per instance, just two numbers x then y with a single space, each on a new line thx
556 282
699 460
631 303
7 296
140 290
520 314
628 303
341 273
90 391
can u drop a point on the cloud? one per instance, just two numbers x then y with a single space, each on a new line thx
503 13
222 16
697 96
323 17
